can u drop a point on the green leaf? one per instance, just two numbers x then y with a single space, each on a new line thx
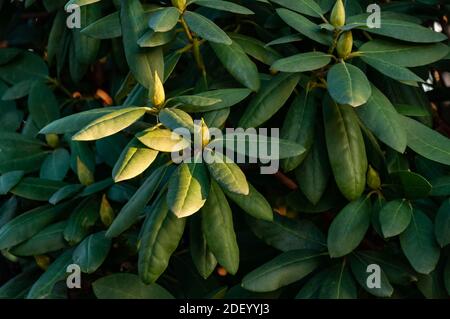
406 31
203 258
391 70
395 217
47 240
135 206
281 271
270 98
188 189
143 63
442 224
256 48
19 90
107 27
56 165
308 7
195 100
227 97
36 188
17 287
380 116
127 286
217 225
302 62
27 66
314 173
441 186
288 234
285 40
349 227
164 19
9 180
223 6
83 217
77 121
255 204
205 28
92 252
299 126
161 233
65 192
134 160
110 124
152 39
236 61
304 26
18 152
347 84
359 266
419 245
8 210
86 48
406 55
163 140
174 119
427 142
43 287
338 284
412 185
346 149
226 173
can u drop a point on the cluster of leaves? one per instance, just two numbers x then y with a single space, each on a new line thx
83 182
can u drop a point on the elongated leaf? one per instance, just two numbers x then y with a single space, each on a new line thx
9 180
175 118
283 270
110 124
254 204
224 97
223 6
299 126
47 240
163 140
304 26
92 252
346 149
43 287
394 71
288 234
127 286
269 100
256 48
36 188
27 66
442 224
152 39
203 258
143 63
81 220
188 189
17 287
217 225
133 161
86 48
419 245
380 116
308 7
338 284
161 234
236 61
441 186
347 84
302 62
64 193
107 27
226 173
406 55
349 227
395 217
427 142
205 28
56 165
164 19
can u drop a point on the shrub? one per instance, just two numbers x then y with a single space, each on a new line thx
90 116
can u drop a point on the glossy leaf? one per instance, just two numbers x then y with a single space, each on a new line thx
91 252
395 217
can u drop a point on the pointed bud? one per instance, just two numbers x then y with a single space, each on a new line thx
338 14
106 212
180 4
85 175
373 179
52 140
345 44
158 95
42 261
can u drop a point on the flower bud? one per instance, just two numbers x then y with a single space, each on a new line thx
345 44
205 134
180 4
106 212
338 14
373 179
158 94
85 175
52 140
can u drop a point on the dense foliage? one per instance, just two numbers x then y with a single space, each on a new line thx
87 121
